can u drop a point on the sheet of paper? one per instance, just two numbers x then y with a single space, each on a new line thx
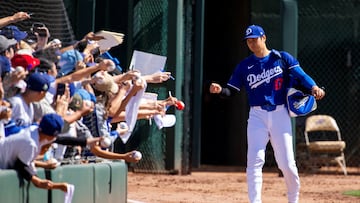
112 39
147 63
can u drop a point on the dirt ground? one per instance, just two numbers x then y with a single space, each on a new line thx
228 185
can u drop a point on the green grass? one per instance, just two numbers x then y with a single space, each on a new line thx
355 193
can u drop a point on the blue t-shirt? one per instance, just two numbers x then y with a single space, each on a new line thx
266 79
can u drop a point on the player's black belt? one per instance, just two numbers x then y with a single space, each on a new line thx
267 107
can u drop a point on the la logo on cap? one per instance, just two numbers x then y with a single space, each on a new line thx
45 87
248 31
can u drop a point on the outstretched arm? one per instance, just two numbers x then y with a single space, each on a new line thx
216 88
19 16
128 157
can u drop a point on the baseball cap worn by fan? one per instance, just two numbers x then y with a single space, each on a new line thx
38 82
13 32
51 124
26 61
105 83
5 65
80 96
254 31
68 61
5 43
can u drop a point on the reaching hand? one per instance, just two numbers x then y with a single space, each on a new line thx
106 64
215 88
20 16
318 92
129 157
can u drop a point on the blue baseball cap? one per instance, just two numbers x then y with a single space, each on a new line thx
300 104
254 31
13 32
5 65
68 61
38 82
51 124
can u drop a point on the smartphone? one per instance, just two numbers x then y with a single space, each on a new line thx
60 90
39 28
41 32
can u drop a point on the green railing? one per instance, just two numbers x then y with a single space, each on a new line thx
94 183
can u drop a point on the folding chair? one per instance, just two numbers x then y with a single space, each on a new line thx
323 142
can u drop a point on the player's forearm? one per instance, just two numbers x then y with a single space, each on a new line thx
305 79
227 92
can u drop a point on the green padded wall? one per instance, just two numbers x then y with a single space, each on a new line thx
94 183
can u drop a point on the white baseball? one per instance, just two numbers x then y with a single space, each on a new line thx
137 155
123 125
53 160
87 103
19 69
111 66
105 142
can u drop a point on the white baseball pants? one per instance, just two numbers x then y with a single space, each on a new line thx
273 126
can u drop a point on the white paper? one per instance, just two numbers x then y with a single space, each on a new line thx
147 63
112 39
131 112
69 194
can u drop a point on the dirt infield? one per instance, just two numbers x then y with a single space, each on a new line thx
224 185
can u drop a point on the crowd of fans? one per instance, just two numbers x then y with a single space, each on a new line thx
59 103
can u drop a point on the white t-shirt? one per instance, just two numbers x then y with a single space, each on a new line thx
23 145
22 113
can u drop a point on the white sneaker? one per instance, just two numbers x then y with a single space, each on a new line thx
168 120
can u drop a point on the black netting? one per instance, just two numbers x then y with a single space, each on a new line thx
328 50
50 12
150 35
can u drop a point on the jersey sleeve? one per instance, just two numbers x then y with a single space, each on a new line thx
291 61
235 81
297 72
305 80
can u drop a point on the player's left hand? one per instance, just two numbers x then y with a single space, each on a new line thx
318 92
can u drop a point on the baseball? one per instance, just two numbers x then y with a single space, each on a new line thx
123 125
137 155
138 81
180 105
87 103
105 142
53 160
19 69
111 66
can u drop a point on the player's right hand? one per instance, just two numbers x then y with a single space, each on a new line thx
215 88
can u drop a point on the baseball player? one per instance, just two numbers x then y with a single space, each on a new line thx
265 76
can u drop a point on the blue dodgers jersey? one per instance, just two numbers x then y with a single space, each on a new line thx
265 79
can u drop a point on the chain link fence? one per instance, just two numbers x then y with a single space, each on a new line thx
328 50
149 35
